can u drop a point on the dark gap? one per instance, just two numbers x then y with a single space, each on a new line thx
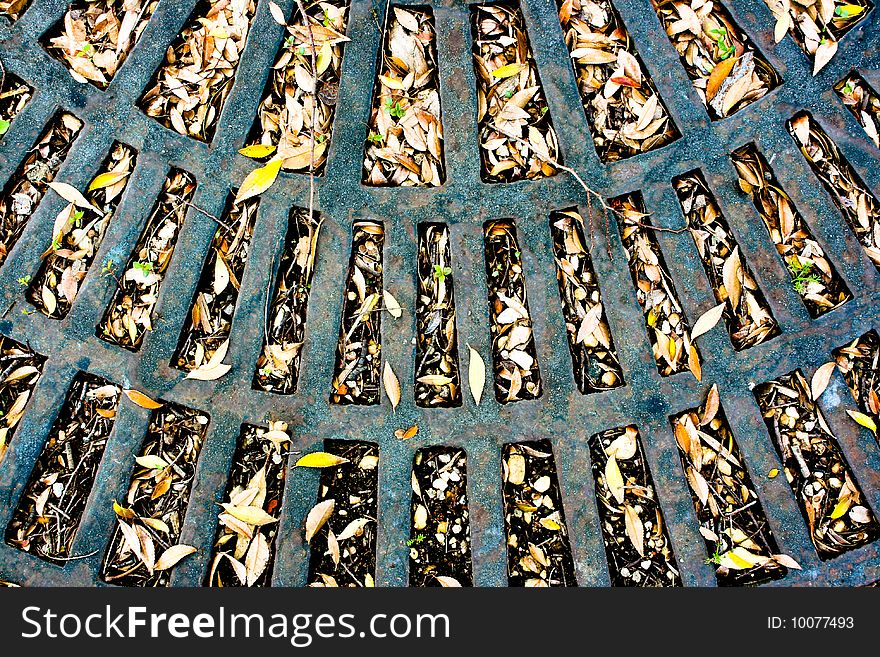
285 322
538 550
343 551
130 313
205 336
593 355
78 234
356 373
862 102
440 535
437 374
859 362
634 530
15 94
27 186
244 545
747 315
51 507
20 369
813 275
514 357
154 508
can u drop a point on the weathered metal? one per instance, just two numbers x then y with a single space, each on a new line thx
561 414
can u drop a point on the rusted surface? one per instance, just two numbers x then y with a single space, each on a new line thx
561 414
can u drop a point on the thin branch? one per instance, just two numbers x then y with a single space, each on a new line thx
209 215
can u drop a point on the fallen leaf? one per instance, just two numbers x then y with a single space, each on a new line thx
391 384
820 379
173 555
865 420
635 529
252 515
259 180
152 462
391 304
476 374
707 321
448 582
614 480
319 460
319 515
142 400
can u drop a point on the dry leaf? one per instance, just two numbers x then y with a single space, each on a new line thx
476 374
391 384
173 555
319 460
707 321
259 180
319 515
142 400
821 378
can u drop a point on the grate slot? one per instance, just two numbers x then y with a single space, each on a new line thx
727 71
853 198
514 357
20 369
813 275
510 98
13 9
634 529
814 29
733 524
278 365
347 559
829 496
437 374
404 145
440 536
244 545
15 94
95 37
862 102
859 362
665 321
359 350
190 88
626 114
151 515
593 355
131 311
205 337
78 234
27 186
538 549
49 511
747 315
284 122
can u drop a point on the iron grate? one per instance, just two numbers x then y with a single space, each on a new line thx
561 415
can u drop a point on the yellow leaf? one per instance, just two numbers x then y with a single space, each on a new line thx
252 515
391 83
773 473
391 304
173 555
319 460
508 71
259 180
142 400
257 151
324 57
434 380
122 512
476 374
841 507
549 523
107 179
152 462
158 525
613 479
865 420
392 385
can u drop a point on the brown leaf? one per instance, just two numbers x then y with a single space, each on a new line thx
319 515
820 379
392 385
635 529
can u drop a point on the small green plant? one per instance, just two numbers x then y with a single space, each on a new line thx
108 267
716 557
56 244
87 51
24 280
4 126
803 274
847 90
27 311
394 109
76 218
326 20
440 273
266 371
415 540
725 48
376 138
143 267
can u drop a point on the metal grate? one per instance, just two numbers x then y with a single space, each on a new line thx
561 414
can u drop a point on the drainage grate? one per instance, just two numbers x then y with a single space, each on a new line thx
523 482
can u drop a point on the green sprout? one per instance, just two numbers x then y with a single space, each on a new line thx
143 267
418 538
87 51
440 273
848 89
24 280
725 49
803 274
394 109
4 126
326 20
76 218
375 138
27 312
715 558
108 267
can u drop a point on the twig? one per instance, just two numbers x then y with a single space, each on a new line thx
308 21
209 215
